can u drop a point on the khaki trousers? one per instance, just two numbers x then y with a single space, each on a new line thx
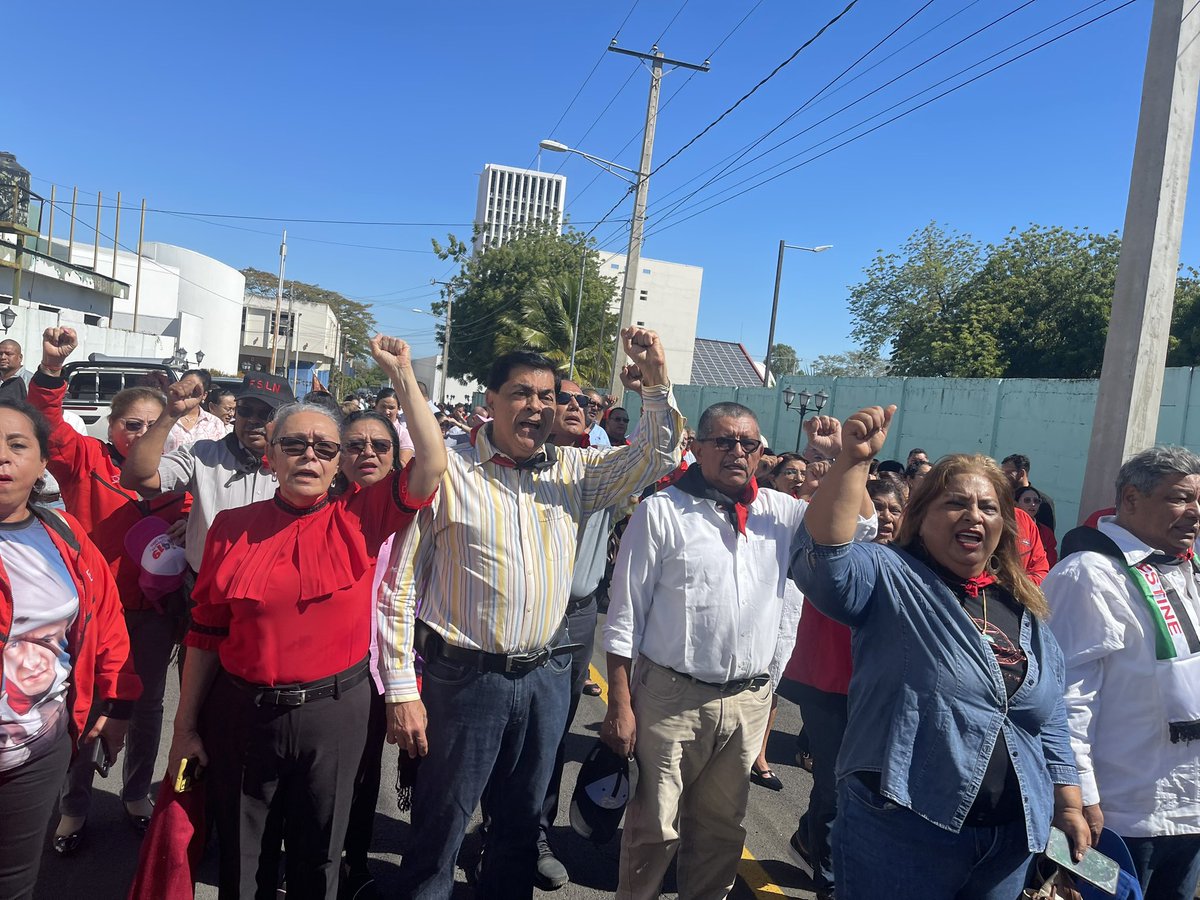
694 750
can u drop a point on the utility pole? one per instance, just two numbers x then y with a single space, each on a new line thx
279 303
1135 352
446 337
633 259
774 313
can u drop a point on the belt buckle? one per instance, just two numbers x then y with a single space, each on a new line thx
525 661
292 698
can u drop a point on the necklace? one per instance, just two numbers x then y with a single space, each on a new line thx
982 628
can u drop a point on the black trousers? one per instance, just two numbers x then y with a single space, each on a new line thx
27 795
824 716
366 787
278 771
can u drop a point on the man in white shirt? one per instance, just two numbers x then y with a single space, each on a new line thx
1126 611
698 593
596 432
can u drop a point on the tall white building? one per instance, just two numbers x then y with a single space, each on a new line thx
511 197
668 302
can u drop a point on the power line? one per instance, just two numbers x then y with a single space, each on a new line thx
895 118
703 131
675 93
728 164
658 40
729 168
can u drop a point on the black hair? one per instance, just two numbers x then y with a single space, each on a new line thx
784 459
890 465
1021 491
502 367
370 415
385 393
1017 461
217 394
915 469
888 487
203 374
324 399
916 450
722 411
41 428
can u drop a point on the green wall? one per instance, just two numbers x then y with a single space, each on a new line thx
1049 421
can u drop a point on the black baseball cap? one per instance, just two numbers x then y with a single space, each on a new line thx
269 389
606 782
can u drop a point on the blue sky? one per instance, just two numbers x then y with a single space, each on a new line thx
388 111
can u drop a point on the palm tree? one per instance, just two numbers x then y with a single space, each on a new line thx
544 321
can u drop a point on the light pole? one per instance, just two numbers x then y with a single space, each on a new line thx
775 302
818 401
7 318
633 258
445 339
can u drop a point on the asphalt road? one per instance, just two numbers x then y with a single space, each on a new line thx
104 865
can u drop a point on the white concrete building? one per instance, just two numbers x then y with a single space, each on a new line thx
314 342
510 197
668 302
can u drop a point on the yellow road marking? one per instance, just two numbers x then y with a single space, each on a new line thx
749 869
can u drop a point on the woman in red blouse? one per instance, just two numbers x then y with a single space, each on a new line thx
280 635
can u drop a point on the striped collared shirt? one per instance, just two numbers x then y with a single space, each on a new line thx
491 559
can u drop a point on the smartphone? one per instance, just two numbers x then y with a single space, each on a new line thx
100 760
189 774
1095 868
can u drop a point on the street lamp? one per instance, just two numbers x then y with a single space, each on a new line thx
199 357
775 302
7 318
640 184
818 403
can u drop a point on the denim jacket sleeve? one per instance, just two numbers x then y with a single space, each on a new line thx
838 580
1056 737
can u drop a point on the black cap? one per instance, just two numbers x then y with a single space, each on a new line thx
270 389
606 782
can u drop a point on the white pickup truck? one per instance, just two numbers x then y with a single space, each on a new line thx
92 384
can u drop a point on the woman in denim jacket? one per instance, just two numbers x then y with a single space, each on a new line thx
956 757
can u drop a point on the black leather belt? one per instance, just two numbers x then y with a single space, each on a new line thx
434 646
299 694
729 687
577 603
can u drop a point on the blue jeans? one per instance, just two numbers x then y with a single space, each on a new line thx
1167 867
581 629
881 849
487 731
824 716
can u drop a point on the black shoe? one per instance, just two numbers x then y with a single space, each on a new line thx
358 884
800 853
767 779
550 874
825 894
67 844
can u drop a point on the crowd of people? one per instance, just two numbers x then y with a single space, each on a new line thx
332 576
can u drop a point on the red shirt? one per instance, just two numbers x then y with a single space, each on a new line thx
821 658
1029 544
284 595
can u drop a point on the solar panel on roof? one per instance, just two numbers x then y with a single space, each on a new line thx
723 363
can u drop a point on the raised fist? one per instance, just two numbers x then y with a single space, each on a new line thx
57 345
184 396
391 353
824 435
865 431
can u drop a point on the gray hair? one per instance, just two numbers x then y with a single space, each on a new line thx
1144 471
285 412
709 417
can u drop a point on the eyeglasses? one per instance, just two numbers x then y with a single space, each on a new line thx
136 426
725 444
564 399
357 447
297 446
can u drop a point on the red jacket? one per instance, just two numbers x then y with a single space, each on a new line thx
101 665
1029 543
91 489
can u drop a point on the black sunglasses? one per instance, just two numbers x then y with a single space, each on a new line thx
296 446
358 446
564 399
259 412
725 444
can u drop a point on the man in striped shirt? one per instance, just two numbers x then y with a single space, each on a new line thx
490 562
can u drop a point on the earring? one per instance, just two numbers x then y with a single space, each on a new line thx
993 564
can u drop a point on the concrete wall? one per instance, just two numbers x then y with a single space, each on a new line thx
209 290
1047 420
27 331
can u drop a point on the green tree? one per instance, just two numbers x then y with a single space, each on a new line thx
852 363
784 361
356 321
524 294
905 297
